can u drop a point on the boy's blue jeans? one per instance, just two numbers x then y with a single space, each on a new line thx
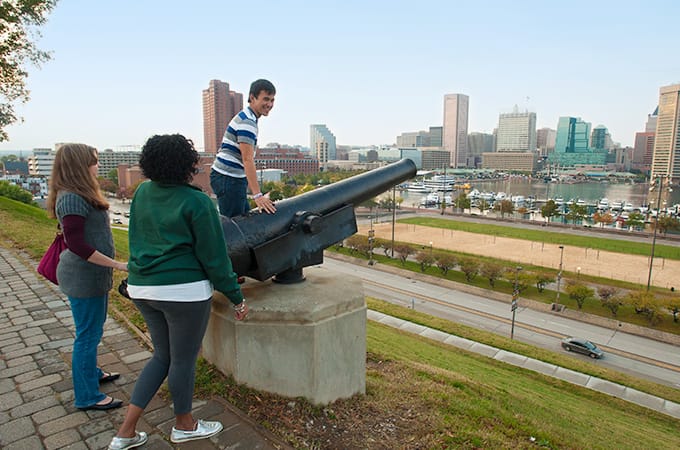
89 315
231 193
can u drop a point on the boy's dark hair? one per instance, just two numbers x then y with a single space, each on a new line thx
169 158
260 85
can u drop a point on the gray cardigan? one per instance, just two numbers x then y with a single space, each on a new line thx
77 277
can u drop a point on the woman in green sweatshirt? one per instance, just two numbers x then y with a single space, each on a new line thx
178 256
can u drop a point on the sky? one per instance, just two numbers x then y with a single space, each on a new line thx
370 70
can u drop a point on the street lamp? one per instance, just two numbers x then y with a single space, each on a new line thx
559 275
371 239
430 248
578 273
656 225
394 214
515 296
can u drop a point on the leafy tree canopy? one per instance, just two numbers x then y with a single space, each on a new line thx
19 22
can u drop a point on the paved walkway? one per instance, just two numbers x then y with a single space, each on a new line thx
36 391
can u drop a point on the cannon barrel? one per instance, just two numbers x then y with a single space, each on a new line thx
263 245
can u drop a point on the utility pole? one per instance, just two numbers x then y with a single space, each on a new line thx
559 275
515 296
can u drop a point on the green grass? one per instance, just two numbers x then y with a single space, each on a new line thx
626 313
549 237
483 403
448 397
504 343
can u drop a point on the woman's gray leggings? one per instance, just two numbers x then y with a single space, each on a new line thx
177 330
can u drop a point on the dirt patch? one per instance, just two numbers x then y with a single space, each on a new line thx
631 268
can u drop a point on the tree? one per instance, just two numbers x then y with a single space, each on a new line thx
603 219
505 207
491 271
357 243
610 298
11 190
445 261
113 176
542 280
579 292
403 251
107 185
576 212
668 223
645 303
483 205
462 201
19 22
636 220
425 259
470 267
550 209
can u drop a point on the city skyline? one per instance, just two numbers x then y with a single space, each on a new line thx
122 72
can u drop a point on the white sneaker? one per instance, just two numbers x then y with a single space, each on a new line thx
204 429
119 443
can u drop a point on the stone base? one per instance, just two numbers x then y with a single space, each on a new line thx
300 340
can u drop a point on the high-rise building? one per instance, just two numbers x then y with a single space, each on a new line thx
220 105
545 141
414 139
516 132
478 144
322 143
436 136
455 129
600 139
643 151
666 159
572 144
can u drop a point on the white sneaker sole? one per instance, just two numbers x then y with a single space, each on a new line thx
195 438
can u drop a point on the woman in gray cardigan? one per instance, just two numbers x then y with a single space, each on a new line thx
85 269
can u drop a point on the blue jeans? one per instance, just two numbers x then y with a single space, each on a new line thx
89 315
231 193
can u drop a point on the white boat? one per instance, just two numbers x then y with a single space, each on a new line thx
616 206
418 187
434 198
603 204
518 200
628 207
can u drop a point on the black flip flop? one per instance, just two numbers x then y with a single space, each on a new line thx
109 377
110 405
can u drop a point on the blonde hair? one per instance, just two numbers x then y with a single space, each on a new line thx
71 172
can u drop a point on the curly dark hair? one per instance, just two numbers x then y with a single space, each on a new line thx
169 158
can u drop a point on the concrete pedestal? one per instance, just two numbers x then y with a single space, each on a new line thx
300 340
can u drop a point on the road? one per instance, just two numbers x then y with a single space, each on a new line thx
638 356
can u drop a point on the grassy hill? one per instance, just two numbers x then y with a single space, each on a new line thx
421 394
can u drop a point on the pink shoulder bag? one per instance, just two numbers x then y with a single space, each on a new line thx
48 263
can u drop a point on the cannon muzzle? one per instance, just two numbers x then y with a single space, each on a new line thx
282 244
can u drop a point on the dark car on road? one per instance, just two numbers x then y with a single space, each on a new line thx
578 345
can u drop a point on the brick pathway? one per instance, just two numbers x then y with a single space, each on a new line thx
36 391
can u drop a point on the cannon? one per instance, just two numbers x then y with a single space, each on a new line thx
280 245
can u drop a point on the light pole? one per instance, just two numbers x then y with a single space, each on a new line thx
559 275
394 214
430 248
515 296
578 273
656 226
371 239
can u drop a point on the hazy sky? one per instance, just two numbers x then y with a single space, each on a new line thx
127 69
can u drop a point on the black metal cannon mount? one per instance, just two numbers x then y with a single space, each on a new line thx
280 245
